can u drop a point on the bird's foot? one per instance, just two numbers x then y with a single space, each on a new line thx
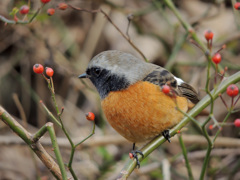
134 154
166 135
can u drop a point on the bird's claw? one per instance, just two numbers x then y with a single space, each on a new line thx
166 135
135 156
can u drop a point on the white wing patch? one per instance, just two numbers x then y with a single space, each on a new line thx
179 81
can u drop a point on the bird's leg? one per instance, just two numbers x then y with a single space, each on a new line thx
166 135
134 153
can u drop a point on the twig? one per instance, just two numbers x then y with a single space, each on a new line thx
8 21
166 169
184 23
172 59
49 113
74 148
184 152
189 29
60 123
50 129
236 14
129 18
25 125
116 27
20 109
35 146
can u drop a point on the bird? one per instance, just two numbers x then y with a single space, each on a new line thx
132 97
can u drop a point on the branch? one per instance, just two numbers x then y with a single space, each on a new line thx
184 152
130 165
50 129
189 29
8 21
28 138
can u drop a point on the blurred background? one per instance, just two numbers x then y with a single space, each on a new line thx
68 40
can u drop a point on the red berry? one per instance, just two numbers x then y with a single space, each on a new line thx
49 71
165 89
38 68
210 127
237 123
51 11
24 9
90 116
217 58
62 6
232 90
45 1
131 155
237 5
208 35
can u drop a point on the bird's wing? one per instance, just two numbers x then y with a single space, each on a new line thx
189 92
161 76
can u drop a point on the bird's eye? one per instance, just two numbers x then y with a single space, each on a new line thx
96 71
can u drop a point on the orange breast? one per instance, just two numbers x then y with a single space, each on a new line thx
142 111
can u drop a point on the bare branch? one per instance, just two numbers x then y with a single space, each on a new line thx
35 146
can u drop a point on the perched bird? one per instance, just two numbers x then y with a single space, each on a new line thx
132 98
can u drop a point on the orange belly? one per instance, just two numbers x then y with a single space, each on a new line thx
142 111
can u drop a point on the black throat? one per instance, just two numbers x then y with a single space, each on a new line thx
107 82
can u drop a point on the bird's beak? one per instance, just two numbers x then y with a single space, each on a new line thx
84 75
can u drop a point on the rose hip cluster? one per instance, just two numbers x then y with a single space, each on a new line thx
25 8
216 58
39 69
51 11
232 91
